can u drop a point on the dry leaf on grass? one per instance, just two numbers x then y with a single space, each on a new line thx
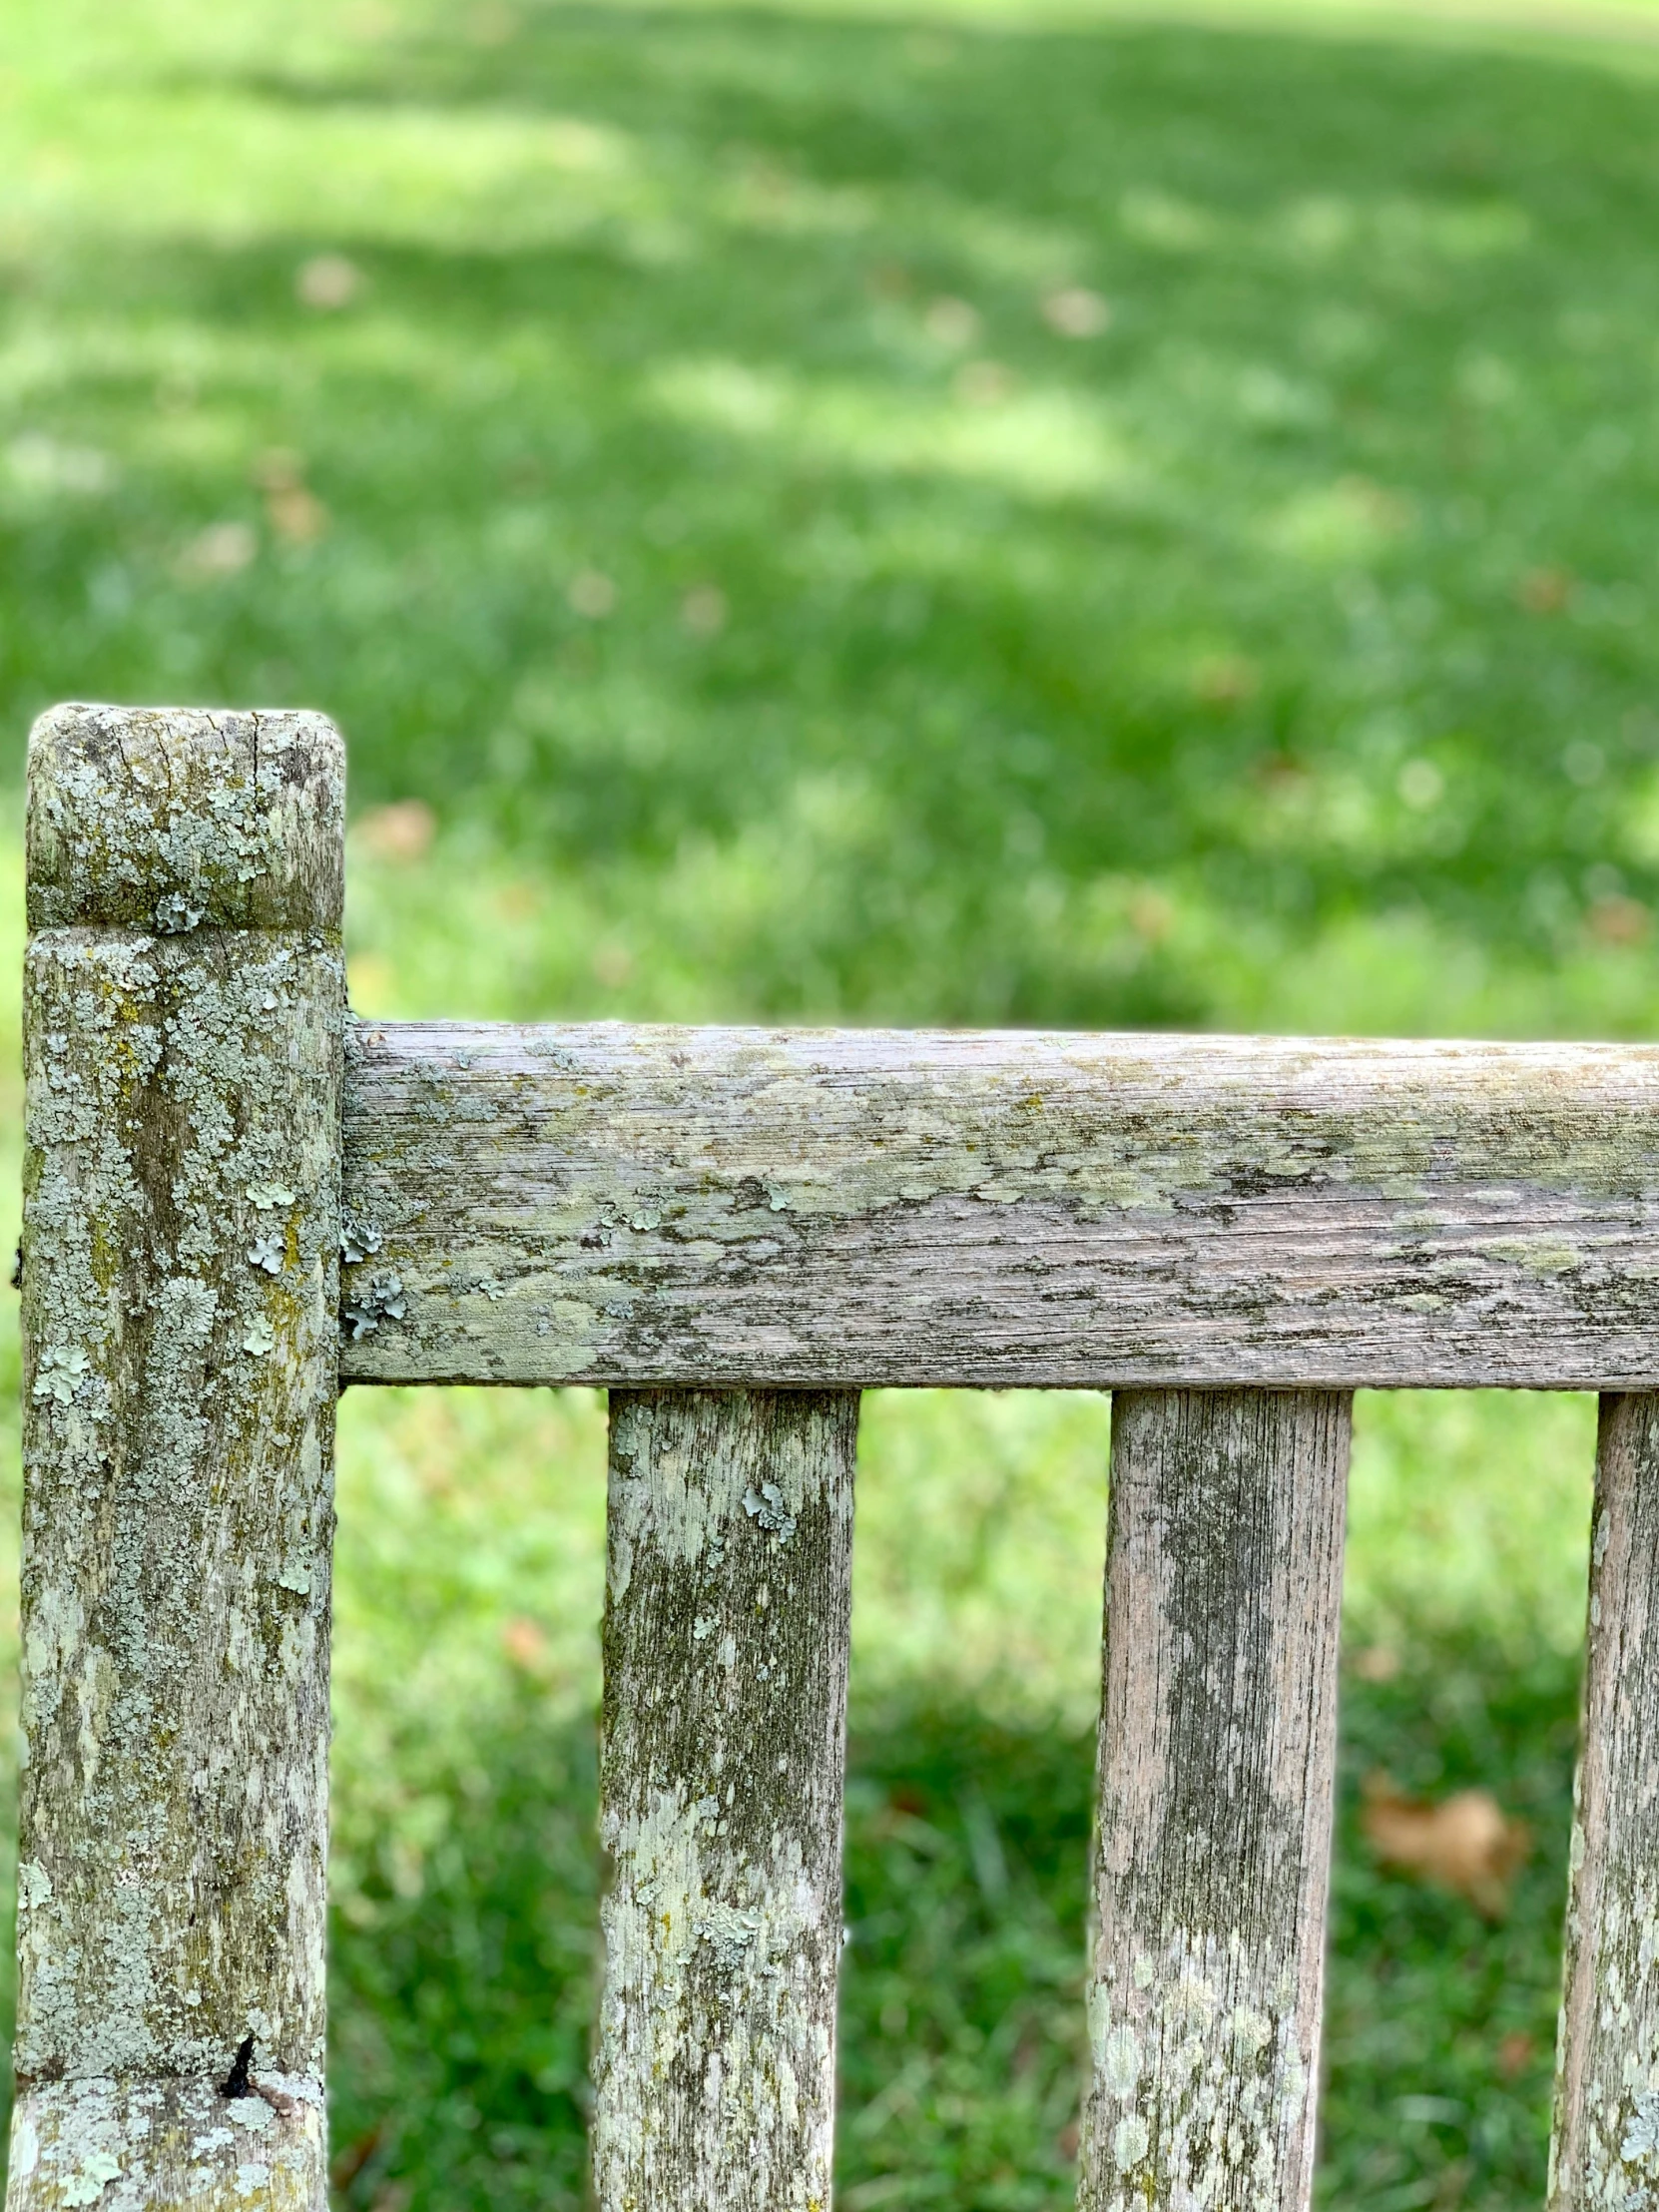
591 594
1515 2052
327 283
1465 1842
952 321
222 549
293 509
403 830
1545 591
1076 312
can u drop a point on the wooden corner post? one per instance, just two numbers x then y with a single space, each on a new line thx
183 1011
726 1608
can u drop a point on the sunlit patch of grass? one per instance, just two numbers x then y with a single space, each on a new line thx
1469 1513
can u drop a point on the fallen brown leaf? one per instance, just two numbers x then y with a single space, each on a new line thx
1545 591
297 515
1227 680
403 830
327 283
1076 312
1515 2053
525 1643
292 508
1151 915
1465 1842
349 2163
1619 920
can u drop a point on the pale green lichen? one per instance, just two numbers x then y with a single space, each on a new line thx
181 1097
721 1808
771 2054
166 820
1217 1746
1201 2080
693 1202
175 1241
167 2146
266 1195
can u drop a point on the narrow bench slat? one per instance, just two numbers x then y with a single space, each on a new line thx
726 1649
1217 1759
1605 2149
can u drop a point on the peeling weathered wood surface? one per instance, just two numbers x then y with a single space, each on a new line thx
741 1207
1218 1741
182 1018
1605 2149
726 1647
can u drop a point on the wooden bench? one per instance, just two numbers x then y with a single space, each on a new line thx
238 1200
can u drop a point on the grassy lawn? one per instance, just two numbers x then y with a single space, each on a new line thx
956 513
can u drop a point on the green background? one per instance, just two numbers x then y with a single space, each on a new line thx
964 513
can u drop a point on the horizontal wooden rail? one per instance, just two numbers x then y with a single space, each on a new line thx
735 1208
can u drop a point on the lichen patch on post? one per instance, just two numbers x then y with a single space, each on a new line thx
163 2146
1213 1836
1204 2074
168 819
183 1135
726 1640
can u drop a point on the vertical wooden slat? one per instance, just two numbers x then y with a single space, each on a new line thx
1217 1757
184 1007
725 1645
1605 2147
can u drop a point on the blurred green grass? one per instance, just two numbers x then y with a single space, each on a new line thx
722 534
966 512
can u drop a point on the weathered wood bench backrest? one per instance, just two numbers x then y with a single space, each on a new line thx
237 1201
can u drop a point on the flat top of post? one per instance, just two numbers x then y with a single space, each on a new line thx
172 819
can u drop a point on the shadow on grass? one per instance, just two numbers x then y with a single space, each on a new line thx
462 1990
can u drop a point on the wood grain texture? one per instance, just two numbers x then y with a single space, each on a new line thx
726 1649
739 1207
1606 2148
180 1301
1218 1741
